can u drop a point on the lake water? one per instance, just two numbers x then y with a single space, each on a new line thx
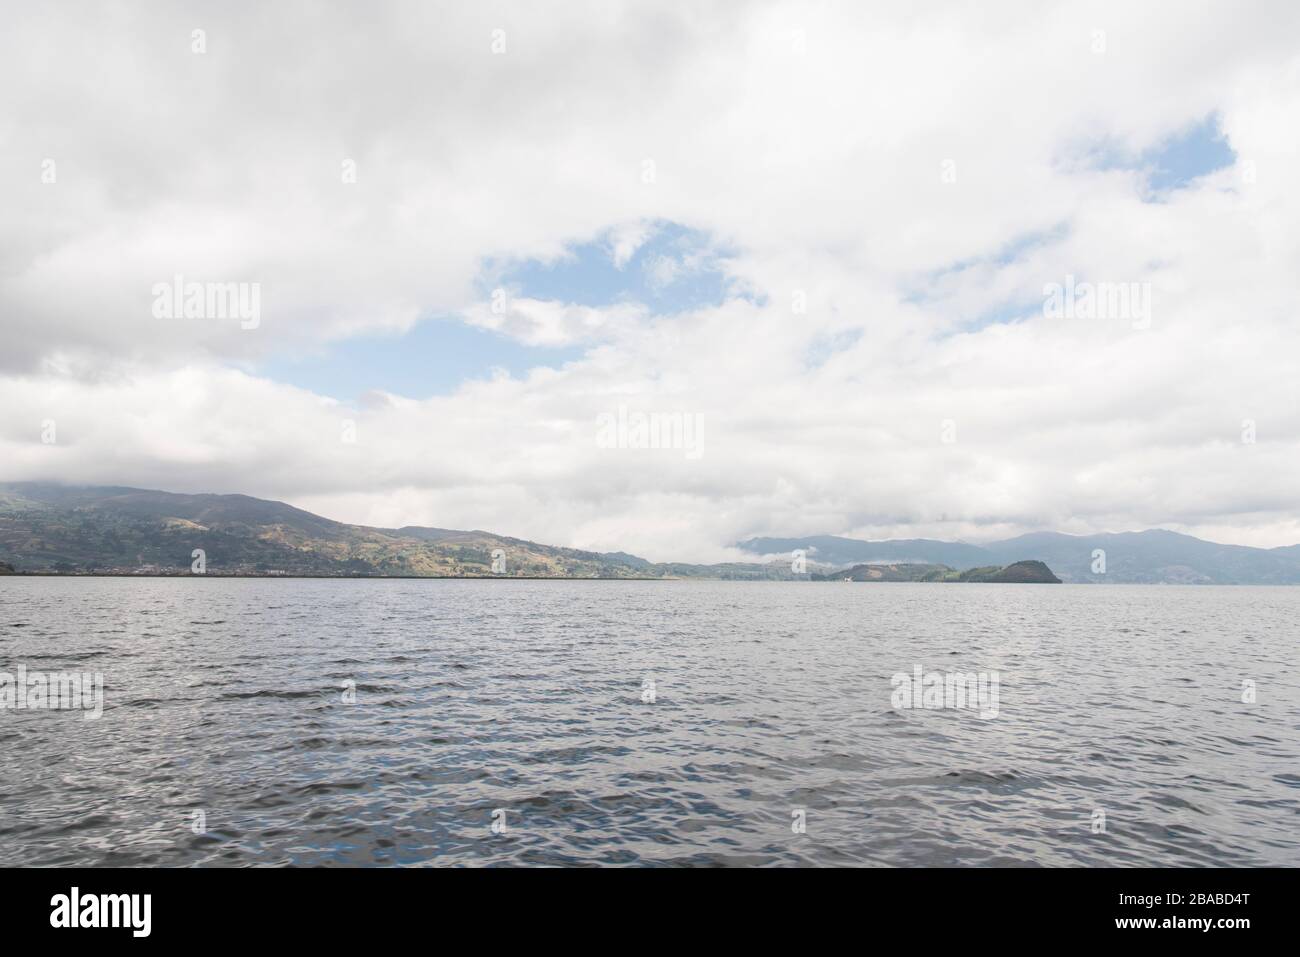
229 733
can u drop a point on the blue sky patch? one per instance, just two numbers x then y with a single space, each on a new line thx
1196 152
1176 161
675 270
433 358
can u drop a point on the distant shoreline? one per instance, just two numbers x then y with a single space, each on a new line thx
544 578
54 530
615 578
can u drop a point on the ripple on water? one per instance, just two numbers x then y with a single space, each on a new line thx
395 722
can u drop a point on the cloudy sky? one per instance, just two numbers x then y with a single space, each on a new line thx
825 233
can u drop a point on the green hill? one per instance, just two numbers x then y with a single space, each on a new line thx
47 528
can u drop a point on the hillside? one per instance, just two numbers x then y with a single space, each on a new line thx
1018 573
1028 572
125 530
114 530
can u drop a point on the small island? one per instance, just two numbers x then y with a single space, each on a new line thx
1024 572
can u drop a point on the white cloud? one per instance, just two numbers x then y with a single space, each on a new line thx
540 322
821 169
624 240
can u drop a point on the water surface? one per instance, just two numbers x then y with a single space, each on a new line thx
228 697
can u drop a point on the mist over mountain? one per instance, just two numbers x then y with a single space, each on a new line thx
833 550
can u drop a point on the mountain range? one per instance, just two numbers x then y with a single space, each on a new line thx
49 528
1155 556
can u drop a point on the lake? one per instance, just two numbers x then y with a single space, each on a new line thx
400 722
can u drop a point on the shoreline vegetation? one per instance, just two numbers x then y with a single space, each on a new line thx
1027 572
1012 574
48 529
